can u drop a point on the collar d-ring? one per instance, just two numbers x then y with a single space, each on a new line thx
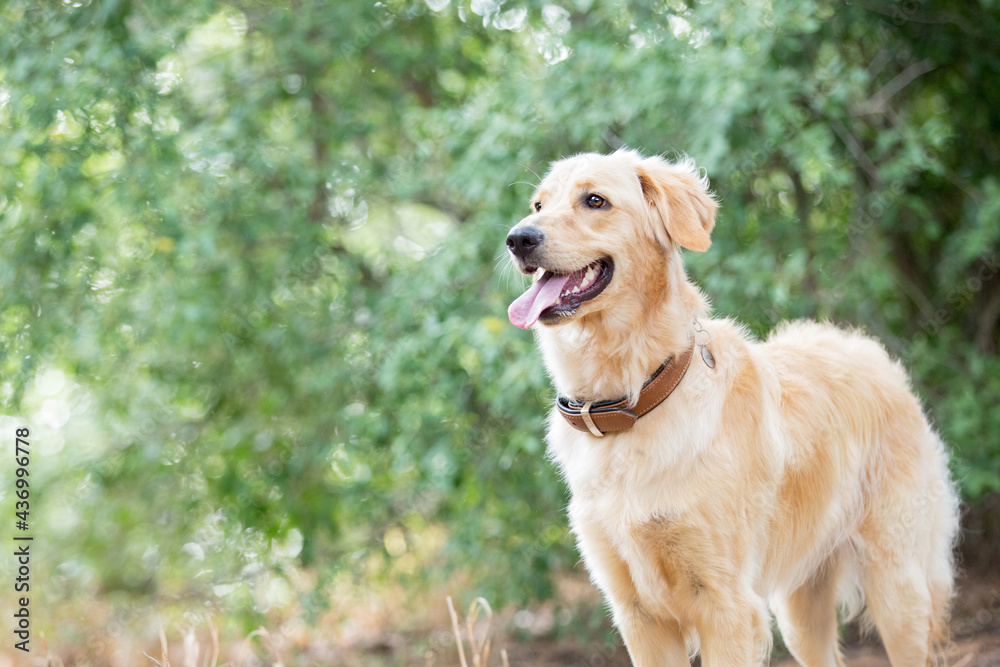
706 354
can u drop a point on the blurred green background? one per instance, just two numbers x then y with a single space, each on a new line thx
252 283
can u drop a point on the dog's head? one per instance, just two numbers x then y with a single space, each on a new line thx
601 231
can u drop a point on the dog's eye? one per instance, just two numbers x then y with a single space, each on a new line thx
596 201
537 206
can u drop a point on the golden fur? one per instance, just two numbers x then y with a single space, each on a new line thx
798 474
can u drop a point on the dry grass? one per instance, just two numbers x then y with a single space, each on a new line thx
192 649
478 635
481 646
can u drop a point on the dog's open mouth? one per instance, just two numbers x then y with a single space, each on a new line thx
556 295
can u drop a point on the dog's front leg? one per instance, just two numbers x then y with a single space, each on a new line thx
651 641
734 632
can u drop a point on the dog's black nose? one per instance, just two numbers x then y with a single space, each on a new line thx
523 240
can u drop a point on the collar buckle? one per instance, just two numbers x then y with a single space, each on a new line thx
589 421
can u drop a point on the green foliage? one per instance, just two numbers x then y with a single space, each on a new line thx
251 255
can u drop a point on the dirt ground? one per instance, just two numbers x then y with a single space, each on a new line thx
981 651
975 642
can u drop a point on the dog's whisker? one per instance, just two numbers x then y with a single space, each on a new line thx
533 173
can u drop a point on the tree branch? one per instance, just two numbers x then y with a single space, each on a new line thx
857 150
988 316
877 102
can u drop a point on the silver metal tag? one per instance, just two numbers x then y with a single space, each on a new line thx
707 357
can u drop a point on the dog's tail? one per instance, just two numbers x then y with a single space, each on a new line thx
940 566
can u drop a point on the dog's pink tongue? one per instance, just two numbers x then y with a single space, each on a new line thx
525 309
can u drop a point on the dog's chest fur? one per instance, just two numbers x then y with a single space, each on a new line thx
638 498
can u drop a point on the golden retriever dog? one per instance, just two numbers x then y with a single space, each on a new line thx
793 477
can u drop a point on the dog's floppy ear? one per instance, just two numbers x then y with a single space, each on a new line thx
682 208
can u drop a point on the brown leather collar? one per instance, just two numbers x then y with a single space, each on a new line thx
600 417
